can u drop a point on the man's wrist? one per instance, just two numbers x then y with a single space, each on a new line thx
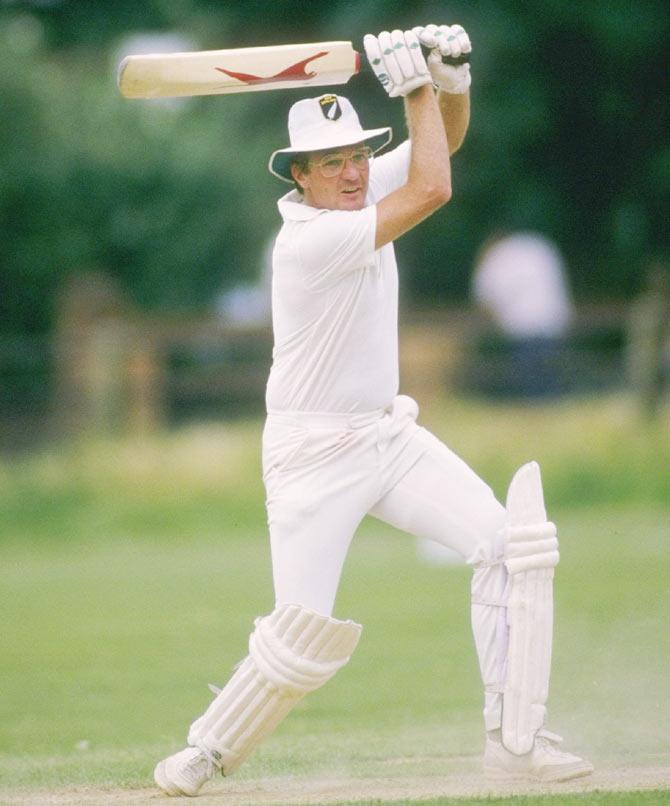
424 89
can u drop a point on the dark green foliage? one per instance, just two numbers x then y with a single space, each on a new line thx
569 135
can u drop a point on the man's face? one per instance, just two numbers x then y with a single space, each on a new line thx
337 179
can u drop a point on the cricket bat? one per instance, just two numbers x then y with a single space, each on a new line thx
217 72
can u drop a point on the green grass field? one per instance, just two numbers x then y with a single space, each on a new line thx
131 572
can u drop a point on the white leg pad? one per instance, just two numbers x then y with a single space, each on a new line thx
292 651
531 552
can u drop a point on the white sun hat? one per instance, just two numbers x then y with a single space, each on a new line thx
329 121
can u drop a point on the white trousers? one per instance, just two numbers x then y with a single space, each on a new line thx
324 473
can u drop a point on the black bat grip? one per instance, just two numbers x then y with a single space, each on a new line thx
464 58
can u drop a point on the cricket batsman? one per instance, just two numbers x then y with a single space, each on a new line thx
340 442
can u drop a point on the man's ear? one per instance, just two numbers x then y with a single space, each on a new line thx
299 176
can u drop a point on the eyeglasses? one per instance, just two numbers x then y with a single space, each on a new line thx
333 164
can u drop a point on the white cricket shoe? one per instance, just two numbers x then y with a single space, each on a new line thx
185 772
545 762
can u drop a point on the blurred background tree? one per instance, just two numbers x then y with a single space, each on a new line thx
569 135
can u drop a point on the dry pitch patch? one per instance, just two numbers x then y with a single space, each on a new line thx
305 790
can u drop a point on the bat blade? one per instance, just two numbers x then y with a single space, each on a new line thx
217 72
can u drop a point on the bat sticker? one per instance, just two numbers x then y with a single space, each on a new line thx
293 73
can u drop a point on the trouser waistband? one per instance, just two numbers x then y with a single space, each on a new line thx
315 419
400 408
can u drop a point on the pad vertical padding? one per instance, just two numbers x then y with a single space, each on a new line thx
531 552
291 652
525 498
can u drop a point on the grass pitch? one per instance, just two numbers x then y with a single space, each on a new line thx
131 573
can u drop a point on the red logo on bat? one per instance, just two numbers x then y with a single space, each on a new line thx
296 72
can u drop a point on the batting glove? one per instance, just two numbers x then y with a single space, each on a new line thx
397 61
446 40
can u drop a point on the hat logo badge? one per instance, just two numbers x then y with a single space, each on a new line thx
330 107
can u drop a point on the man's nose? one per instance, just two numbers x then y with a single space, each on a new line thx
350 171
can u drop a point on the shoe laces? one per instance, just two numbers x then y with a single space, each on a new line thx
548 741
201 766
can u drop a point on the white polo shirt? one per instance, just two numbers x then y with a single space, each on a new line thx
335 303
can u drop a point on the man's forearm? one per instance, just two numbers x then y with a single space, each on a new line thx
430 148
455 110
428 184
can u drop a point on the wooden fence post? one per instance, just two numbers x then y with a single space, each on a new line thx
91 341
145 383
649 341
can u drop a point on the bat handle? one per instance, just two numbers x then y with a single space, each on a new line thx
464 58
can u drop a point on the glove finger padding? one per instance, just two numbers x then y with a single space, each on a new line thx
446 41
452 40
393 68
410 56
373 51
426 35
463 39
397 61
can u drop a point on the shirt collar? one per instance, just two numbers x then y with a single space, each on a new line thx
293 208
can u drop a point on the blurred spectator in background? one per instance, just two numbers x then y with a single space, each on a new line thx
520 282
249 304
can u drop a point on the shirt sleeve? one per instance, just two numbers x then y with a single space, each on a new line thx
335 243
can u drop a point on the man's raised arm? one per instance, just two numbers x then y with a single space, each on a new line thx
428 184
433 120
